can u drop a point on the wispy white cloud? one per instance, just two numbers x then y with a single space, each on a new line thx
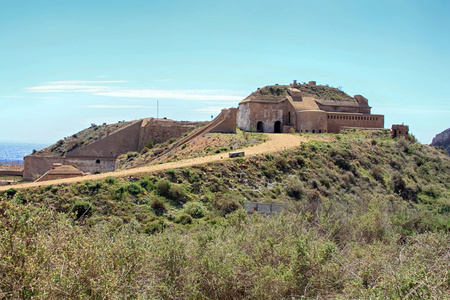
72 86
108 89
23 97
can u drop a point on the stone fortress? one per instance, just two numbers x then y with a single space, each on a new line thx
298 108
306 108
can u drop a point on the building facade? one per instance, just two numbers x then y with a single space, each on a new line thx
286 108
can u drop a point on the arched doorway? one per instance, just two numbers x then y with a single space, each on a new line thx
277 127
260 127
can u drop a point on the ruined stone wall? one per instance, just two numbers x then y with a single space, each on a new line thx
399 131
338 120
121 141
227 123
314 121
35 166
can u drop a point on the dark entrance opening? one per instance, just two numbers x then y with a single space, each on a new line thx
260 127
289 117
277 127
97 161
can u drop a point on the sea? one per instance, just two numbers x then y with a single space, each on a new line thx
13 153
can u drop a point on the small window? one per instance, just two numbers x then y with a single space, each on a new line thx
97 161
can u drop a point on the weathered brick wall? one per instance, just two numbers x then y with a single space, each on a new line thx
337 120
399 130
314 121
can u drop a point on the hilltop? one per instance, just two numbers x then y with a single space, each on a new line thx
82 138
368 216
442 140
278 92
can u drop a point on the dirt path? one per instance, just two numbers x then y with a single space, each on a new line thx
276 142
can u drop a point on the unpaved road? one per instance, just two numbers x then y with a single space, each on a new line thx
276 142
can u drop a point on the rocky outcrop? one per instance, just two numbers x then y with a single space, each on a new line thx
443 140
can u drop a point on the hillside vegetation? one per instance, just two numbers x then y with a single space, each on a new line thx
367 217
204 145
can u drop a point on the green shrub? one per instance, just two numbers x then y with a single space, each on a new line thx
163 187
177 193
110 180
183 219
343 163
226 203
82 209
171 173
195 209
149 144
94 187
222 149
294 188
172 140
154 226
158 206
120 192
146 184
377 173
132 155
11 192
134 188
301 162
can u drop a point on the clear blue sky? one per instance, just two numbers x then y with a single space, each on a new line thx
67 64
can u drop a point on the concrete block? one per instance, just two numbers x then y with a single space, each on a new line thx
236 154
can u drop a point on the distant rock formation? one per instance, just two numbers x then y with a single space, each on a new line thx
442 139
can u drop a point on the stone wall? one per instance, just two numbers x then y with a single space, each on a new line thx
121 141
338 120
266 114
160 131
227 123
399 131
314 121
36 166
